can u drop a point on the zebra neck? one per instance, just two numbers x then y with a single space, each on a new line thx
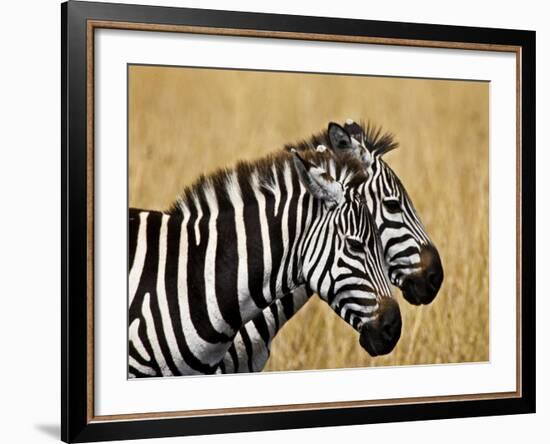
232 262
244 257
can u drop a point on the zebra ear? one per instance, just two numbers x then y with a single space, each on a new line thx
342 141
353 129
339 138
318 182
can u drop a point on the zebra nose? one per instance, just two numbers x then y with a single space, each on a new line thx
380 336
422 287
390 324
434 278
433 273
434 269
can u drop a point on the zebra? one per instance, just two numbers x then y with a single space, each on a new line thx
238 240
412 260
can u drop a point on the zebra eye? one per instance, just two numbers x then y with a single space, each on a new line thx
356 246
392 205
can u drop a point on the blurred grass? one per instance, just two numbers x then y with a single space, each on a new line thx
185 121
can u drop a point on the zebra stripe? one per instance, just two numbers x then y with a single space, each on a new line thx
272 227
139 257
401 233
153 338
265 239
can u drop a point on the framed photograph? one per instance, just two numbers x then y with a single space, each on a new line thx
275 221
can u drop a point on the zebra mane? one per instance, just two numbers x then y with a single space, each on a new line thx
267 171
376 140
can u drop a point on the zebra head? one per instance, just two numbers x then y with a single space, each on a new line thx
413 262
342 259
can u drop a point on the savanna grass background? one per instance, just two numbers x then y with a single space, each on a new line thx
188 121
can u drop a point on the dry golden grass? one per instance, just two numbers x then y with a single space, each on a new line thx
184 122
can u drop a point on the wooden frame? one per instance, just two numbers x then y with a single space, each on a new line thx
79 21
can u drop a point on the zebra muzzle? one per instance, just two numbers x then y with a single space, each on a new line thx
422 287
379 336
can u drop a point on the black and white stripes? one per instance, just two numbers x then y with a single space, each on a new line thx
411 259
238 241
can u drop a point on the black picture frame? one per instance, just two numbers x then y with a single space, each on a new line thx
77 425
